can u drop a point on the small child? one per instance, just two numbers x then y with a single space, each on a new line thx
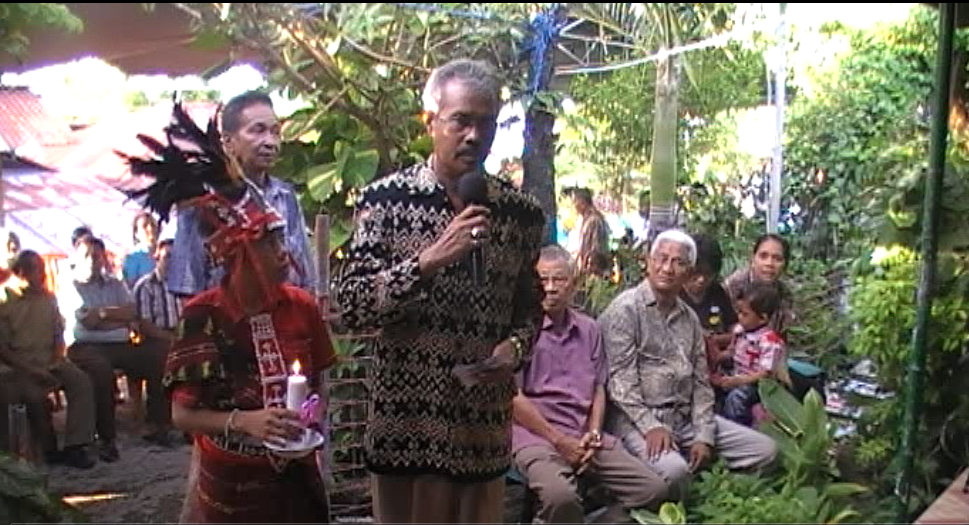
758 351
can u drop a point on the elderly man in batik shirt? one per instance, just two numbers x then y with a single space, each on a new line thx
439 449
663 403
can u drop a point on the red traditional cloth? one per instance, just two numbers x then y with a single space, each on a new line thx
213 365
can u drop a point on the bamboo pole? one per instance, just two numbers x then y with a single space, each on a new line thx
915 376
322 238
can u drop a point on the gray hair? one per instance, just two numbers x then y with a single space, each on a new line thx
556 253
679 237
480 75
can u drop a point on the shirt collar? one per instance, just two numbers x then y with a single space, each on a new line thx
234 309
425 181
649 299
757 332
570 324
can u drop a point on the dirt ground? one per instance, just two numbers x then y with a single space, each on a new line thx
145 486
148 483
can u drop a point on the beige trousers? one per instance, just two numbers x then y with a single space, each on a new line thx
632 483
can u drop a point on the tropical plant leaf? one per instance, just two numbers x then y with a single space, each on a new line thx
644 516
787 412
361 168
322 180
845 514
673 513
843 490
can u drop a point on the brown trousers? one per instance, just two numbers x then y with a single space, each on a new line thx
14 388
99 361
634 484
436 499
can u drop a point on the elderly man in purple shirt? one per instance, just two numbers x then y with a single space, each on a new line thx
559 409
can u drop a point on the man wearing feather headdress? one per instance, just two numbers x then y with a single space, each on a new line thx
227 369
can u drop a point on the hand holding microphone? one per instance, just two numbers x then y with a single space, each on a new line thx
465 233
473 190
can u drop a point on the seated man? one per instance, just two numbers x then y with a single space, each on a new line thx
560 405
658 375
32 348
158 312
757 352
102 344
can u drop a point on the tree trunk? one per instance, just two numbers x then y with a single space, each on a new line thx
662 176
538 159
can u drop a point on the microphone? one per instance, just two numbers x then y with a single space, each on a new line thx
473 189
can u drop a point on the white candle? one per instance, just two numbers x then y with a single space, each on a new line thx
296 389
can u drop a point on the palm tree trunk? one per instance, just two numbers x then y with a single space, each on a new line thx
662 180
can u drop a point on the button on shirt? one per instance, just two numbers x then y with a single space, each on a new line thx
562 377
657 366
190 271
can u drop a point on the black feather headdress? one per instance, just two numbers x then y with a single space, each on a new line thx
192 164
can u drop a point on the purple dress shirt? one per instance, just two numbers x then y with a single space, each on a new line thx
562 377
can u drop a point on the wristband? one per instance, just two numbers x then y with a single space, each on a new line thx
229 426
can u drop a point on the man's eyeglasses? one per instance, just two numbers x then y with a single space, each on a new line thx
461 122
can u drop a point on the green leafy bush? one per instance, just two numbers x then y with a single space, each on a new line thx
24 497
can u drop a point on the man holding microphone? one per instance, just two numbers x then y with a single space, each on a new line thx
449 278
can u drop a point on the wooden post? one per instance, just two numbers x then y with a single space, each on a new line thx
322 237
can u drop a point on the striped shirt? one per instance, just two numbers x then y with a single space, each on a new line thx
155 303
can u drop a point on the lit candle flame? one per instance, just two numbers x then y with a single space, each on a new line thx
296 367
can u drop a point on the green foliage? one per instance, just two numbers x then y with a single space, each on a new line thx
802 433
347 408
669 512
856 127
367 62
327 158
193 95
823 328
24 497
730 497
803 491
16 20
883 308
596 293
897 211
616 108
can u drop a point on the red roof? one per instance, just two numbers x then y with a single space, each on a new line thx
29 186
94 153
27 125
